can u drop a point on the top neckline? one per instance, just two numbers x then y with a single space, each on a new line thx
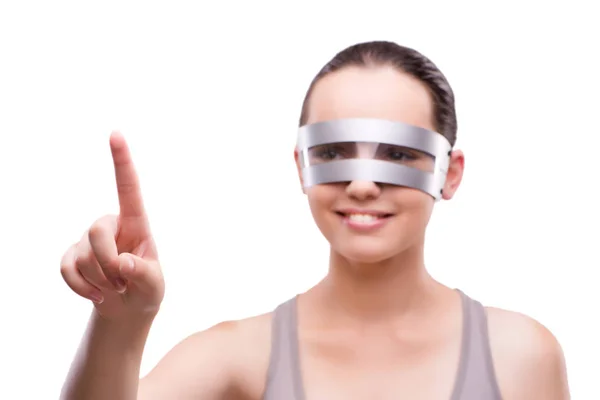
298 380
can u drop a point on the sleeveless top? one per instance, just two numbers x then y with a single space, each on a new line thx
475 379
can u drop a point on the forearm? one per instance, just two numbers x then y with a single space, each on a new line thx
107 363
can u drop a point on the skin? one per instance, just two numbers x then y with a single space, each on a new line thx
377 326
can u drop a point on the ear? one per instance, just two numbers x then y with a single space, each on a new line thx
299 169
456 168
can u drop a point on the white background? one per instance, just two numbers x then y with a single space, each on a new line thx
209 97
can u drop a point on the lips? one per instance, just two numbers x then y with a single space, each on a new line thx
364 220
363 214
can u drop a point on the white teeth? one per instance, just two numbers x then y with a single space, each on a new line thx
362 217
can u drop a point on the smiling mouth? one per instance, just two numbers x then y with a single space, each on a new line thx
363 217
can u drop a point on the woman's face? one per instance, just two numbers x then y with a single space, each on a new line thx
403 213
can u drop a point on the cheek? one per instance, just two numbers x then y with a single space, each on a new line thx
414 205
321 199
324 194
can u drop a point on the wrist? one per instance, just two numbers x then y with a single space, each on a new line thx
126 328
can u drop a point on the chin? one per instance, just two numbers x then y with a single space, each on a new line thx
366 251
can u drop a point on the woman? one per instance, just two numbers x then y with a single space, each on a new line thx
377 326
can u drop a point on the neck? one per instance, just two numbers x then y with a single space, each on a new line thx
391 289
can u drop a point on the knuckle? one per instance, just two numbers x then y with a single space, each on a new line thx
108 219
96 230
101 225
65 269
67 261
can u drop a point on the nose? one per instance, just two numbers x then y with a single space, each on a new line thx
363 190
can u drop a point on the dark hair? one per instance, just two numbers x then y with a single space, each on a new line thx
407 60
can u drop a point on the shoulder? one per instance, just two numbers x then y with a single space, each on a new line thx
228 359
246 345
528 359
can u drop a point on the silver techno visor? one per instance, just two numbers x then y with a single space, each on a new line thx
375 150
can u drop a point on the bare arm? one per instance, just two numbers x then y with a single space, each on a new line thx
528 359
108 360
116 265
202 366
544 374
107 365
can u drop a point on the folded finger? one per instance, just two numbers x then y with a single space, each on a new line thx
89 268
103 246
75 280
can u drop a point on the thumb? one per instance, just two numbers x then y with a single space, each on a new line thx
138 271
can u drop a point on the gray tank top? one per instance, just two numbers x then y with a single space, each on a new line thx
475 379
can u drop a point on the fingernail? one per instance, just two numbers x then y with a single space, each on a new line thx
97 298
120 285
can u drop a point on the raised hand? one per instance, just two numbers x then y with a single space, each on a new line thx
115 264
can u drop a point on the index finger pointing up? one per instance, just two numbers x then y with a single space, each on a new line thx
128 187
